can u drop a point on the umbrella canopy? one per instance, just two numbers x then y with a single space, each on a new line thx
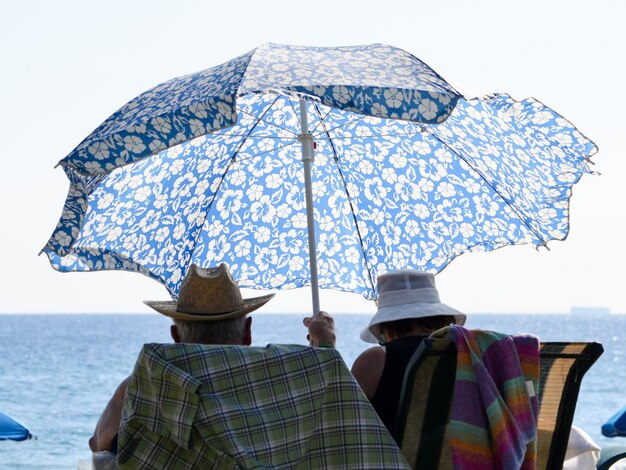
407 174
12 430
616 425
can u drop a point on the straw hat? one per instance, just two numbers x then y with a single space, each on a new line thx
208 295
406 294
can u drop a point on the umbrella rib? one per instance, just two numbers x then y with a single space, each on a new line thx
343 179
328 131
362 136
268 122
495 190
259 137
267 151
322 119
293 108
258 119
232 159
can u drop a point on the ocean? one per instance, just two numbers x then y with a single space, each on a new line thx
57 372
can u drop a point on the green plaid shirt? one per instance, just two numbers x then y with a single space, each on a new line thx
191 406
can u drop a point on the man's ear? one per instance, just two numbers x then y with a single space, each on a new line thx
174 333
246 340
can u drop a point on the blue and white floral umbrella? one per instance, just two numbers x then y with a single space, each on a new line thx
406 173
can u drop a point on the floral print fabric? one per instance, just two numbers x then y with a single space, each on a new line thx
401 179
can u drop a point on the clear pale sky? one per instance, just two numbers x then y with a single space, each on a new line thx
65 66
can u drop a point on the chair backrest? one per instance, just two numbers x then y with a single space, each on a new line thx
193 406
426 401
563 366
425 404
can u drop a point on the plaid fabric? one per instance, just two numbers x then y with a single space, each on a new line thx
283 406
493 423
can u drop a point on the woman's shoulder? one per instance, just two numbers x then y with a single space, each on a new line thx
372 353
368 368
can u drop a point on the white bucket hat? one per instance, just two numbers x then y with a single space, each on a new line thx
406 294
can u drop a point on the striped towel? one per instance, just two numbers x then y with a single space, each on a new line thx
493 422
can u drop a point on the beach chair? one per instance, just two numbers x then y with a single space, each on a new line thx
426 400
563 366
281 406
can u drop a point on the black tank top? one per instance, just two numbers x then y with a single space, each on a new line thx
398 353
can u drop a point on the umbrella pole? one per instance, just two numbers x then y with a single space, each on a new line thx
306 139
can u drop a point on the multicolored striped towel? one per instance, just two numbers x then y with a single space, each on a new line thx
191 406
493 422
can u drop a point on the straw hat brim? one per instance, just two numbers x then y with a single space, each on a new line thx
168 308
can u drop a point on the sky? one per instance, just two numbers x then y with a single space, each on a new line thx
65 66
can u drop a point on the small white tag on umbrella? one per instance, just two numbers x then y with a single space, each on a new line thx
531 388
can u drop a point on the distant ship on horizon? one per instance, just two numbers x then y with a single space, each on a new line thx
590 310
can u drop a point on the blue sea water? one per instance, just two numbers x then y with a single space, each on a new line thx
57 372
